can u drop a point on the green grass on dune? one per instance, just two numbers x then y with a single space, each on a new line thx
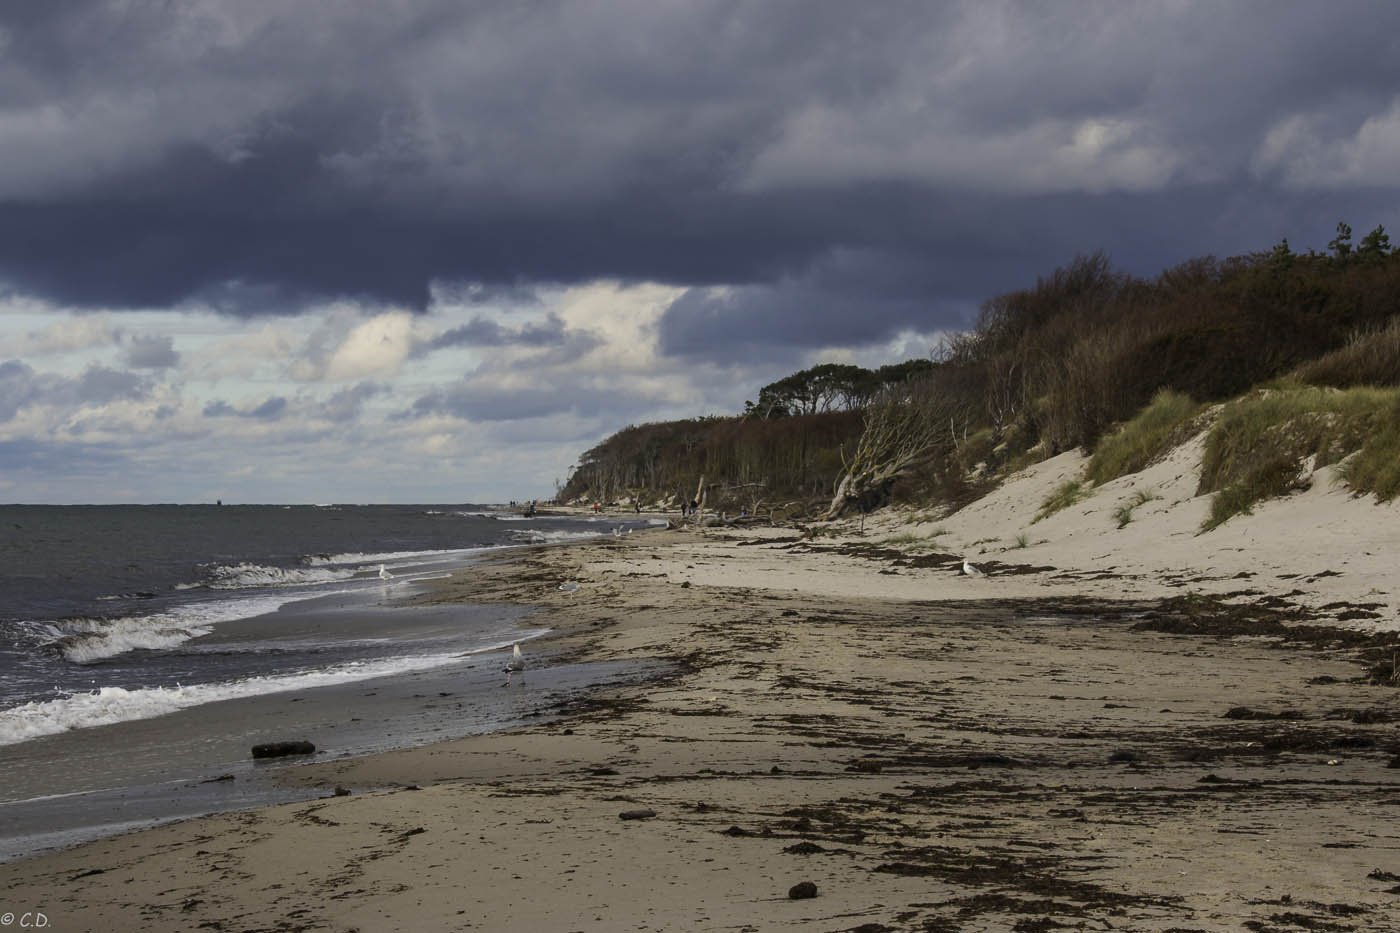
1258 447
1152 433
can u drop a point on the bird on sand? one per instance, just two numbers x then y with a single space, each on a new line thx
384 574
516 664
969 570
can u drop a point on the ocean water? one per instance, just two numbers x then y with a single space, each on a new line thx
115 613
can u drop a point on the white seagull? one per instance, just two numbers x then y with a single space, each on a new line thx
516 664
384 574
969 570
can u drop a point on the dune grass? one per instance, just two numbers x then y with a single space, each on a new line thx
910 541
1064 496
1376 467
1257 448
1163 424
1124 513
1371 357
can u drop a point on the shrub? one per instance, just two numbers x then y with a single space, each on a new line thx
1164 423
1370 357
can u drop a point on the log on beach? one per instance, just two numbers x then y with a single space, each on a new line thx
283 749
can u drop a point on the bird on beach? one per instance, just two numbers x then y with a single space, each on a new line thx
384 574
969 570
516 664
617 531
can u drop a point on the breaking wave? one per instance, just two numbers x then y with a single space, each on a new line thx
84 641
240 576
531 536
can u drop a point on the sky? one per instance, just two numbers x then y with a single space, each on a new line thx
433 250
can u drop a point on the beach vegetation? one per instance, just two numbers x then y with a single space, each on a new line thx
1167 421
1064 496
1371 356
1086 358
1375 468
1123 514
913 541
1266 444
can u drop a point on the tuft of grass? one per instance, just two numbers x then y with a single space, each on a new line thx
1021 542
1257 448
1165 422
901 540
915 542
1062 498
1124 513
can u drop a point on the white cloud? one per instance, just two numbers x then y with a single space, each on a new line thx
1305 150
375 348
76 332
821 145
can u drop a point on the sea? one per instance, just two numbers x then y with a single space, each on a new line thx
145 648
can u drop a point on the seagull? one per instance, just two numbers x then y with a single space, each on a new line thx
969 570
516 664
384 574
617 531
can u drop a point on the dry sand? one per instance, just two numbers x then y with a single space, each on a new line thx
933 752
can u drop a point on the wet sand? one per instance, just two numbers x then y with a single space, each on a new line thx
968 761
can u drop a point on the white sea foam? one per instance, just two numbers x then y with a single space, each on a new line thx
532 536
111 705
87 640
387 557
118 704
240 576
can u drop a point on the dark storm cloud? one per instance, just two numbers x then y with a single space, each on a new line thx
850 170
270 410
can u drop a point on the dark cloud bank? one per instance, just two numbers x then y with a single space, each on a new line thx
849 170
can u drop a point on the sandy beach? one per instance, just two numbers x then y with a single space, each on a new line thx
1060 743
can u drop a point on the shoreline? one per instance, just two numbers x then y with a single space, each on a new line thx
975 758
81 785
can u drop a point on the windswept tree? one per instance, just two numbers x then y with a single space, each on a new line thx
904 426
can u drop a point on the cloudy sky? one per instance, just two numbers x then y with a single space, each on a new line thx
431 250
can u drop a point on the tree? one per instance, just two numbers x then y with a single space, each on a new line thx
827 387
1340 245
902 428
1375 246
